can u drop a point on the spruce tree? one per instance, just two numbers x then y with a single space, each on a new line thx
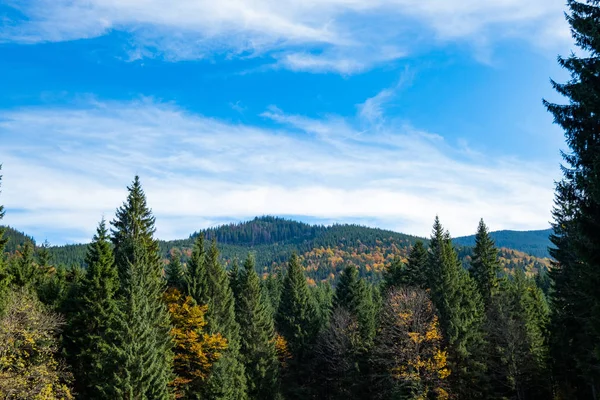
576 276
297 321
174 271
92 313
194 280
234 279
484 264
23 269
143 352
257 349
353 294
416 267
455 295
394 275
228 379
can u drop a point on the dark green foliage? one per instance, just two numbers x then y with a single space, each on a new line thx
23 269
322 294
143 352
484 264
257 338
297 321
195 280
535 243
576 240
516 329
228 379
55 289
43 256
415 274
455 295
92 312
273 285
337 356
353 294
174 271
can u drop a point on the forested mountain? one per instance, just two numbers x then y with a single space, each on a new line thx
535 243
325 249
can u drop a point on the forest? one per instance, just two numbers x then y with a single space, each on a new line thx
274 309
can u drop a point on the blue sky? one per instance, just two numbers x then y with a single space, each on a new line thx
381 112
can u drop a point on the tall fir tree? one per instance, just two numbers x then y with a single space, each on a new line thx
416 267
194 279
257 350
23 269
174 271
144 349
455 295
353 294
516 328
576 239
485 266
228 378
92 312
297 321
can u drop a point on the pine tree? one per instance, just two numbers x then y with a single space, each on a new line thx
143 352
257 350
174 271
576 276
484 264
228 379
92 313
297 322
353 294
455 295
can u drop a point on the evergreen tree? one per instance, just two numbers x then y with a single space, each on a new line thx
273 286
322 295
143 352
257 350
484 263
228 379
297 321
23 268
416 268
195 281
234 279
455 295
353 294
576 276
517 329
394 275
174 271
92 313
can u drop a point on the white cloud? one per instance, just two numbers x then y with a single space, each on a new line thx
65 168
345 36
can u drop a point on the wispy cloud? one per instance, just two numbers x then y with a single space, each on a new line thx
345 36
66 167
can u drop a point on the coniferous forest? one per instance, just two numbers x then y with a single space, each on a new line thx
227 315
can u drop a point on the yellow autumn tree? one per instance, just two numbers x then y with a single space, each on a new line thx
408 358
195 350
29 363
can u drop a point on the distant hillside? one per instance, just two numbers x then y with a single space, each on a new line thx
535 243
324 249
15 239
